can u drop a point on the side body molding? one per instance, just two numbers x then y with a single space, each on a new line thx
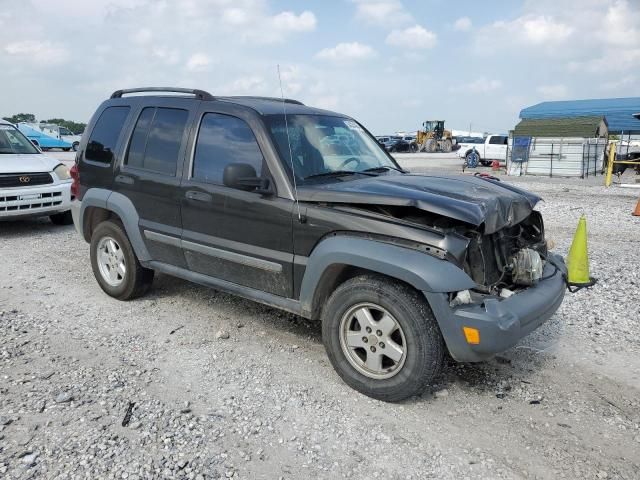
422 271
122 206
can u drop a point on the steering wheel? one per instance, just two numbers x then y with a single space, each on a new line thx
348 161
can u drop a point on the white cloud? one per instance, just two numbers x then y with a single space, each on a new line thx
386 13
553 92
253 84
412 37
142 36
290 22
534 30
235 16
621 25
480 85
620 82
38 53
462 24
346 52
199 62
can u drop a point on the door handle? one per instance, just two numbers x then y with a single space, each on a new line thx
198 196
127 180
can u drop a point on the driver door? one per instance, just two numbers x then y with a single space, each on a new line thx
239 236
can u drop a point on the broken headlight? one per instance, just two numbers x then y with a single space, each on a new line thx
526 267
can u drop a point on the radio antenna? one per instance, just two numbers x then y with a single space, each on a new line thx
286 127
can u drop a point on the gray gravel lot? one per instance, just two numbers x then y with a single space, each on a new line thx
91 387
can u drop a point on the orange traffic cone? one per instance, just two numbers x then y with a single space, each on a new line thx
636 212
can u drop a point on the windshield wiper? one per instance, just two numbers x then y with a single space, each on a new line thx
384 168
338 173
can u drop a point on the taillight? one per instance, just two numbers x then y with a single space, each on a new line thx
75 185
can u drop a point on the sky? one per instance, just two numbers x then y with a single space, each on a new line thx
391 64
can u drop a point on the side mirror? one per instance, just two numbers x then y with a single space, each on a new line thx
243 176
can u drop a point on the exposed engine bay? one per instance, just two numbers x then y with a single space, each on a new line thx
511 258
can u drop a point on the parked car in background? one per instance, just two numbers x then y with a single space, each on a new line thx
59 132
493 147
31 183
41 139
306 212
402 144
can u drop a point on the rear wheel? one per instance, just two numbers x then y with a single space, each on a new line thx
382 338
66 149
115 264
63 218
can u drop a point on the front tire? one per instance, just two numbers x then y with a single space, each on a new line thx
75 146
382 338
115 264
63 218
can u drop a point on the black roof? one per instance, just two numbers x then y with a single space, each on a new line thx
262 105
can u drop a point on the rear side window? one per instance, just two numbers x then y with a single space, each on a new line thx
222 140
498 140
104 137
156 140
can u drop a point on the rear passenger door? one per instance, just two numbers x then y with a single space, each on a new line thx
239 236
496 149
150 173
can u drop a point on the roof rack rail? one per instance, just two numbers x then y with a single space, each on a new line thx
199 94
270 99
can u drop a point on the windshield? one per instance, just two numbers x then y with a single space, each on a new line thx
321 144
12 141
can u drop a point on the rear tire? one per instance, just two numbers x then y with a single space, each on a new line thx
415 344
115 264
63 218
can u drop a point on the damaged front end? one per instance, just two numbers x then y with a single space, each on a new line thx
510 258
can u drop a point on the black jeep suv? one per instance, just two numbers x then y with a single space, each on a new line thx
303 210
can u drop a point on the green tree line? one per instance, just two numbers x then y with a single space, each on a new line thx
75 127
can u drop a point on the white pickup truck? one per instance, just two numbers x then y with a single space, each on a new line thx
493 148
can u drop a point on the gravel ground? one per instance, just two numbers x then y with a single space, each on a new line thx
193 383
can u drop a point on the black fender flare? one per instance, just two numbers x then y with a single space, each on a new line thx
422 271
121 206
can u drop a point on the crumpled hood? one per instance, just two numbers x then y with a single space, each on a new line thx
463 197
26 163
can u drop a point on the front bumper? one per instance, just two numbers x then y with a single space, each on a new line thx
35 201
501 322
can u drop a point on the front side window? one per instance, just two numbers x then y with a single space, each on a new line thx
322 144
156 140
223 139
104 137
12 141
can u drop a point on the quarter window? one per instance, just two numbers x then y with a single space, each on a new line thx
222 140
104 137
156 140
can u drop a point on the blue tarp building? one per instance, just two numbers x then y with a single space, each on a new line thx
618 112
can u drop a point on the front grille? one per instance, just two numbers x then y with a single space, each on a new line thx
15 203
24 179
